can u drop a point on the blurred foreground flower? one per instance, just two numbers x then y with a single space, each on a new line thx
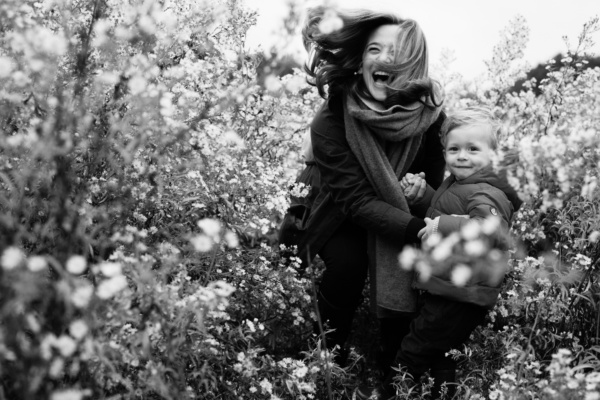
70 394
36 263
12 257
76 265
331 22
109 287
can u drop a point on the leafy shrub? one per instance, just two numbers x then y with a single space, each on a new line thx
145 170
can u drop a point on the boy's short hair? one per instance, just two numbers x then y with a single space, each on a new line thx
472 116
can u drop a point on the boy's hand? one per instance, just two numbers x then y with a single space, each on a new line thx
413 186
431 226
407 181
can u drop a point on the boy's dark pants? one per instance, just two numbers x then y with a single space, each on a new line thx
441 325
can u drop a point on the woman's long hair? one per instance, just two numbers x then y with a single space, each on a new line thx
335 58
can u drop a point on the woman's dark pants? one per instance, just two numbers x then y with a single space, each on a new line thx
340 291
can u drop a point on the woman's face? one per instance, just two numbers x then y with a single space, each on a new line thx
380 47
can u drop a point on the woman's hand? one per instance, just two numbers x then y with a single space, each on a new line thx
413 187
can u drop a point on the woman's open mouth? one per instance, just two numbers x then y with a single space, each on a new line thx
381 77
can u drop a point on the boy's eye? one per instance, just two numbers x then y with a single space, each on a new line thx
452 148
472 148
373 49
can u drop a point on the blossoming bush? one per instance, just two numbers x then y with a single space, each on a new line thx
145 170
542 338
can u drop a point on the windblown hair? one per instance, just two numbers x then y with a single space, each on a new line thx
472 116
335 58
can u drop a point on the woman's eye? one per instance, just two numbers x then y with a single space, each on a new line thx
373 50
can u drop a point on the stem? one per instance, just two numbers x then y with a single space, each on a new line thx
529 346
213 261
321 331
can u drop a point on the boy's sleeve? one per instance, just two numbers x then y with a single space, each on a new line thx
480 205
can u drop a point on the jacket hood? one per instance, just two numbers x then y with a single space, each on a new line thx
498 180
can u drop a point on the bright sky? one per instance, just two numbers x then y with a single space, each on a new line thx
469 28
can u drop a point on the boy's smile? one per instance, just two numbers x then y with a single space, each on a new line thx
468 150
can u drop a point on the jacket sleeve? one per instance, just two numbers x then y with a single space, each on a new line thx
350 189
420 207
480 205
434 163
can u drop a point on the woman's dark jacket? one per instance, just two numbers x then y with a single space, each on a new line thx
345 191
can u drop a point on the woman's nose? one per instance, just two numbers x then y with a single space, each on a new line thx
386 56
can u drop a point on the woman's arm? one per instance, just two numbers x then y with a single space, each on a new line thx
432 161
350 189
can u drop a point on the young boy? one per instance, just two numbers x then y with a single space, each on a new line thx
449 313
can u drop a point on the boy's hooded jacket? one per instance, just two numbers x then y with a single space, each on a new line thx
479 196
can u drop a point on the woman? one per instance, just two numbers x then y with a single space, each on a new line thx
381 119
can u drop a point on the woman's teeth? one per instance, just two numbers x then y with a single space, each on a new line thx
380 76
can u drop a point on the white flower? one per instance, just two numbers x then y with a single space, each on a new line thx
594 236
475 248
231 239
232 138
137 85
490 225
460 274
592 396
202 243
147 25
424 271
407 258
272 84
110 269
12 257
330 23
69 394
76 265
301 372
82 295
36 263
33 323
56 368
65 345
6 66
210 227
470 230
266 386
432 240
101 29
442 251
46 346
78 329
109 287
295 83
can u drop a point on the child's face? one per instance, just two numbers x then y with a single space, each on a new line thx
468 150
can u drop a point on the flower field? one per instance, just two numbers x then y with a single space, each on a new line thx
146 162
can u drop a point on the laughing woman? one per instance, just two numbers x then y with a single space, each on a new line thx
380 119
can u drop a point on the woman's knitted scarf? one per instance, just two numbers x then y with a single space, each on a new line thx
386 143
